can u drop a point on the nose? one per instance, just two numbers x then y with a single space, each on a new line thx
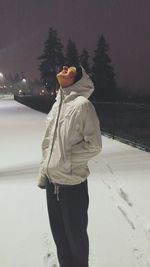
65 68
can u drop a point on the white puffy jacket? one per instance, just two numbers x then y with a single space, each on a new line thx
72 135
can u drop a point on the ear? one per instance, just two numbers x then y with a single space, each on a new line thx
72 74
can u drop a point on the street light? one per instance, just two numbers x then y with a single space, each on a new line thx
24 80
1 76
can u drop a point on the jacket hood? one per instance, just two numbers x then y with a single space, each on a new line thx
83 87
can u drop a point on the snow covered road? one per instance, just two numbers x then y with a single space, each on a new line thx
119 186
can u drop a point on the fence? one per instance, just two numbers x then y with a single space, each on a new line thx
40 103
127 122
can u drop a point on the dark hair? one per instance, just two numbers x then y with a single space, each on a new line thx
79 73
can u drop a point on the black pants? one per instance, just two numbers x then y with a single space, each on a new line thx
68 220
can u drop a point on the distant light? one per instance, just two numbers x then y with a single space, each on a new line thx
24 80
1 75
42 91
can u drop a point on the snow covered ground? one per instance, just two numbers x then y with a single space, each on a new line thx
119 189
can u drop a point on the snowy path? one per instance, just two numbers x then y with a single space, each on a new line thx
119 213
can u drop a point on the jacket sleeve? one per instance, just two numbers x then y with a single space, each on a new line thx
45 144
91 144
41 175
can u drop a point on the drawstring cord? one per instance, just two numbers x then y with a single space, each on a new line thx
56 191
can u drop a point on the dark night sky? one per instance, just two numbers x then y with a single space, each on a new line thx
125 24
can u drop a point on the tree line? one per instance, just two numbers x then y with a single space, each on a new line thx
101 71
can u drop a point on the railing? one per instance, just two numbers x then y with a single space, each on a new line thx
40 103
128 122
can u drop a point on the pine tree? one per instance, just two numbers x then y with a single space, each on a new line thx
103 73
52 60
84 60
72 57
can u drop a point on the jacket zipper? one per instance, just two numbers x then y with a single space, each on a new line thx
54 133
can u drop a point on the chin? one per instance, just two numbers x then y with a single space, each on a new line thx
58 78
60 82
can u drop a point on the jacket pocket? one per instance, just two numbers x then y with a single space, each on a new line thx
79 166
60 160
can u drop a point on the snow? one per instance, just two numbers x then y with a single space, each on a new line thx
119 213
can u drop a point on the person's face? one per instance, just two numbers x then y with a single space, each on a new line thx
67 76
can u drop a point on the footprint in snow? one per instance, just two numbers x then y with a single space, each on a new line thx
50 260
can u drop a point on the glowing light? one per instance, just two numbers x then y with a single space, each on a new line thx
1 75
